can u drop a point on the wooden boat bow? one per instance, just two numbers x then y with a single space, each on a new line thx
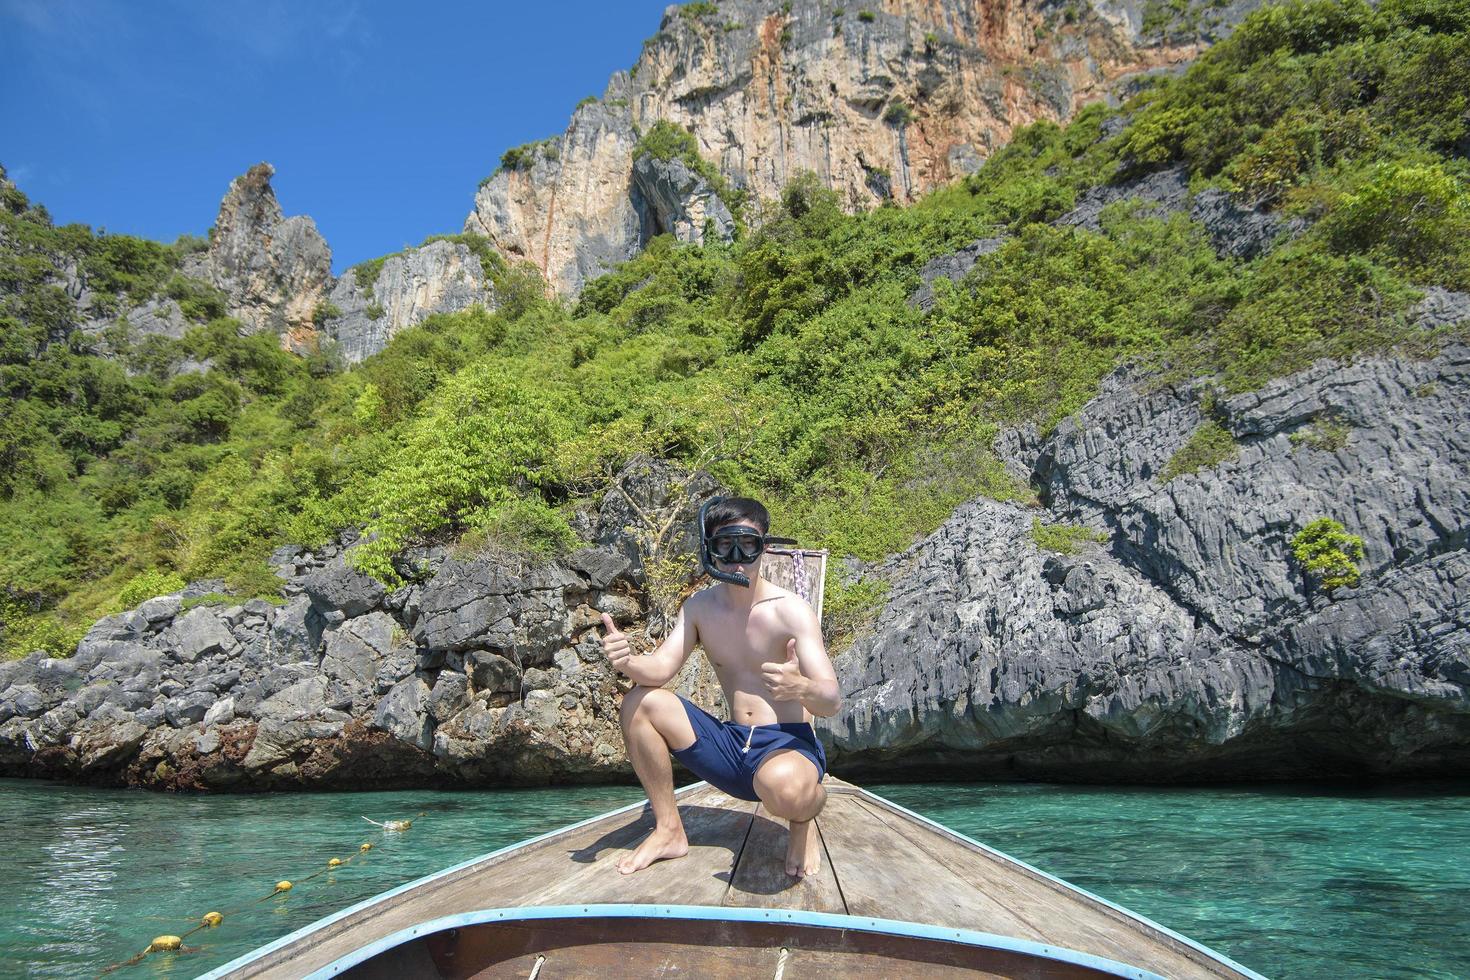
897 895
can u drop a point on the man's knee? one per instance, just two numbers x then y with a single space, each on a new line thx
789 784
641 703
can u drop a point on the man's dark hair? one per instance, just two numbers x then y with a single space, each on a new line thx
732 509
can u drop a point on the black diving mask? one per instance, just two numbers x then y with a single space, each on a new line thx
737 545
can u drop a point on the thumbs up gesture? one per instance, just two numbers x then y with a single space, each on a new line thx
615 645
783 679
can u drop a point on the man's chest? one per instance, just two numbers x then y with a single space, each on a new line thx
742 644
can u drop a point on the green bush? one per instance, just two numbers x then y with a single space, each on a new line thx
1415 218
325 310
1064 539
1328 555
147 585
1210 445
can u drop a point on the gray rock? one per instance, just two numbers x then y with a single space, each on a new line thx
403 713
303 699
1237 231
670 198
1160 193
486 603
1189 646
296 632
161 609
1440 307
450 694
273 269
340 588
354 653
492 672
199 632
222 712
23 700
188 709
440 277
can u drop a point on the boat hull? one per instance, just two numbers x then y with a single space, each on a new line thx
641 941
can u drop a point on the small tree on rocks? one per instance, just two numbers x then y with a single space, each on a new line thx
1328 554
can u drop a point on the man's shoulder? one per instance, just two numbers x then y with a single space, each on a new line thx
787 604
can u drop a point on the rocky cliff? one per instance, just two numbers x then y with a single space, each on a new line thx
272 269
882 101
275 274
1167 634
1186 643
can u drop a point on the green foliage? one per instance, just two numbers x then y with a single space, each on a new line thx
1413 218
701 8
24 632
522 157
1210 445
867 16
849 610
1327 434
146 585
788 363
209 599
1064 539
1327 554
898 114
589 100
374 311
324 311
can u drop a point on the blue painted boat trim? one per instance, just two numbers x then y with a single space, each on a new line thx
322 923
712 913
1199 947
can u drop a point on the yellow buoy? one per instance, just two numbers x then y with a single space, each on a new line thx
283 886
166 942
365 848
334 862
212 919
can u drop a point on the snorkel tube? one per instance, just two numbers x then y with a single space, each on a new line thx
706 552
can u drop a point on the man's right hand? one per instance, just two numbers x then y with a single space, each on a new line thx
615 643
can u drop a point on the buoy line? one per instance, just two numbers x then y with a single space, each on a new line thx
211 920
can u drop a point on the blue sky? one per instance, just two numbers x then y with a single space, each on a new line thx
380 117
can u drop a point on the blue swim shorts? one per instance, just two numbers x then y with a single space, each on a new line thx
719 756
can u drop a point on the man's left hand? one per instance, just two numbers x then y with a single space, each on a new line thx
784 680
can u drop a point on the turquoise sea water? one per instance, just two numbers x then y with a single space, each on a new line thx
1291 882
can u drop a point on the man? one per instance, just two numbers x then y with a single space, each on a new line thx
766 648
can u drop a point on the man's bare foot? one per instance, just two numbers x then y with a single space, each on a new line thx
803 855
661 845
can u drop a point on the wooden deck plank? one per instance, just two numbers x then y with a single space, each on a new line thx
889 877
761 881
1068 918
717 829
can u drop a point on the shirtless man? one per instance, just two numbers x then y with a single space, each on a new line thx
766 647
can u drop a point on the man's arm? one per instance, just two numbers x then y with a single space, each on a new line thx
657 668
806 675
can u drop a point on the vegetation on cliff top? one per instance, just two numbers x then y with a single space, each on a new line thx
788 364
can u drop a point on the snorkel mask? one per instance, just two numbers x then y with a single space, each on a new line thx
731 546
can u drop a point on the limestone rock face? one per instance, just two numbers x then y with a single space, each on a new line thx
440 277
672 199
1188 644
889 100
273 269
